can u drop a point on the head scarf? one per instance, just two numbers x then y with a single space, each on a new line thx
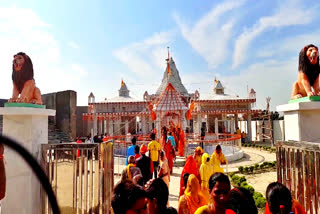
143 149
193 194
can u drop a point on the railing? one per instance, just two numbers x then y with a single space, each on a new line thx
122 142
298 167
81 176
194 140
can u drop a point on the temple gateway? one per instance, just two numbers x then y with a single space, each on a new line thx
171 105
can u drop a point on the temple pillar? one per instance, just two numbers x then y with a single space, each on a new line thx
95 129
184 121
236 120
232 128
105 126
198 124
111 122
143 124
100 127
158 125
216 128
126 126
249 127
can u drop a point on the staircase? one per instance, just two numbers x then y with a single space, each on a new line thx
57 136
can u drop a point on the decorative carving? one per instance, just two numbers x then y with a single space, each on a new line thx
23 82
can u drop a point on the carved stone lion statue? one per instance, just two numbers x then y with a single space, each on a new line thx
308 75
23 82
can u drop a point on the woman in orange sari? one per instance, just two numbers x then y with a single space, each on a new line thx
163 139
192 198
170 153
191 166
181 143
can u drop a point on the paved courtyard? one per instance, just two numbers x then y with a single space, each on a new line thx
251 157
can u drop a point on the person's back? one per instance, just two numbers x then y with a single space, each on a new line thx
144 163
131 170
154 150
130 150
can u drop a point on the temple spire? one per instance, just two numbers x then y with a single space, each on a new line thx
168 65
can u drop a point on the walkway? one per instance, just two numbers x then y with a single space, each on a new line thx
251 157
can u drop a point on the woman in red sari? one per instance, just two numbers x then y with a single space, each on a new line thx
163 137
170 153
191 166
181 143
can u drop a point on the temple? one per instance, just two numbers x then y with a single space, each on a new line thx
171 105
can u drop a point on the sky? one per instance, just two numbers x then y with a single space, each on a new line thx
89 46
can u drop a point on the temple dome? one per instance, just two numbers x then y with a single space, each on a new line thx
173 78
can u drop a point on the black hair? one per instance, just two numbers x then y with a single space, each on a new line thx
218 177
218 147
241 201
153 136
158 189
185 178
278 194
125 195
137 149
134 140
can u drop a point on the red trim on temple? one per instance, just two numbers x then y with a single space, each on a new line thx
226 111
234 101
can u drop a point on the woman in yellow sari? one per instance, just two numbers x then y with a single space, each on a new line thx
206 170
192 198
218 159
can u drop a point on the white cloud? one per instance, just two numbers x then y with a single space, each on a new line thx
290 14
23 30
73 45
147 57
79 71
208 36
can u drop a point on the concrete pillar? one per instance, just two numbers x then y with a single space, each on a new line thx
29 127
100 126
216 130
158 125
105 126
111 123
232 128
126 126
116 130
143 124
184 121
199 124
236 120
249 127
95 128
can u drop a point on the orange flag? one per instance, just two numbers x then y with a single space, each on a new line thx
168 68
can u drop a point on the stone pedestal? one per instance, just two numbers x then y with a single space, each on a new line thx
29 127
301 121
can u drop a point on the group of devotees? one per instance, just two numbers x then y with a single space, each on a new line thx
204 188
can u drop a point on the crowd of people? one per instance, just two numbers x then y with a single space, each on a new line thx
204 188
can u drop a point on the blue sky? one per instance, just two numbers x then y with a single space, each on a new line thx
90 45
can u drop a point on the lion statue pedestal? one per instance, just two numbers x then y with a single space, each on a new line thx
301 121
29 127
